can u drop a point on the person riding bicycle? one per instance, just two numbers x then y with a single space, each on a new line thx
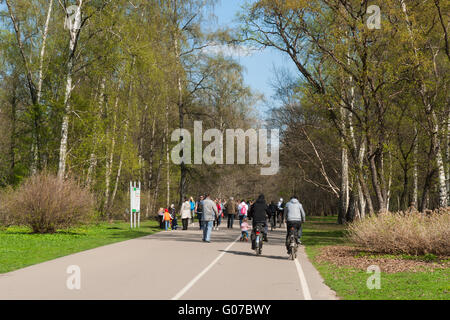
295 216
258 212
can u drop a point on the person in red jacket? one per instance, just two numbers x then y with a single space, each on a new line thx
218 219
167 218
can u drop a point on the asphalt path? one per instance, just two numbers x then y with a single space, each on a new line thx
173 265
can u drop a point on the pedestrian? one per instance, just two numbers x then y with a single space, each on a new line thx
218 220
185 212
199 211
230 208
273 215
161 218
244 230
173 214
242 209
210 213
167 218
280 209
192 204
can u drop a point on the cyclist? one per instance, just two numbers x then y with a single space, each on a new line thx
258 212
295 216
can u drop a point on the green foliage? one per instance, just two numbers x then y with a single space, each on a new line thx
19 247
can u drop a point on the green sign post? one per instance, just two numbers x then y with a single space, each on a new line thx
135 204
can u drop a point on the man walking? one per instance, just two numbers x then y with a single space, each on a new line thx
295 216
281 215
199 211
210 213
230 208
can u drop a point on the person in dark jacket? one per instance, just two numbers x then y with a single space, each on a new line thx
259 212
199 211
273 215
230 210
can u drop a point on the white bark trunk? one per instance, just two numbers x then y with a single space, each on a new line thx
93 158
110 159
443 200
35 147
74 32
166 138
415 171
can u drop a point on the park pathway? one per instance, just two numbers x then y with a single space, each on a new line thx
174 265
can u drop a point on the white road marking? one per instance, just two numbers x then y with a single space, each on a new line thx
303 283
201 274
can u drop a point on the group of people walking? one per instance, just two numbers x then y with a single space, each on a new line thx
210 214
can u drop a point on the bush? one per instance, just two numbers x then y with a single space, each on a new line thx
45 204
403 233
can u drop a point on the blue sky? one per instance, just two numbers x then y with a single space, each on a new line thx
260 65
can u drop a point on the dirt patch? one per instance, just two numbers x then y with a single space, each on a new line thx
362 258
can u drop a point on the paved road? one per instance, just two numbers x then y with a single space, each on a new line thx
174 265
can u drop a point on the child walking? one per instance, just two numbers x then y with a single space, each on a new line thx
244 230
167 218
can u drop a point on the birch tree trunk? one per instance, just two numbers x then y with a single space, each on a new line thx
35 147
74 34
93 156
166 141
125 138
110 157
150 169
436 149
415 171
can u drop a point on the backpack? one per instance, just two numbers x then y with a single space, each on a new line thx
243 210
200 206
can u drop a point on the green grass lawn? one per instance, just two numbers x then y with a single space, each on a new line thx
350 283
20 248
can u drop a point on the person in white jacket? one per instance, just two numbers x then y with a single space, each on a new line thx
242 211
185 212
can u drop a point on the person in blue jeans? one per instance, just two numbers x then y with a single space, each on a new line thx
199 211
210 214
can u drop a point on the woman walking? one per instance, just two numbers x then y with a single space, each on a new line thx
185 213
161 218
192 203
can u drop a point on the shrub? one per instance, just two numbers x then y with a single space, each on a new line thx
403 233
45 204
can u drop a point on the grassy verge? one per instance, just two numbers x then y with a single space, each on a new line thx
20 248
350 283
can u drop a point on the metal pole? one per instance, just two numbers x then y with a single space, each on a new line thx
131 205
139 209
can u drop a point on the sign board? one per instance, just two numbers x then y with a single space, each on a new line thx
135 197
135 204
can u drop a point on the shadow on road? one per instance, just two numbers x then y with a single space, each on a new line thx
242 253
